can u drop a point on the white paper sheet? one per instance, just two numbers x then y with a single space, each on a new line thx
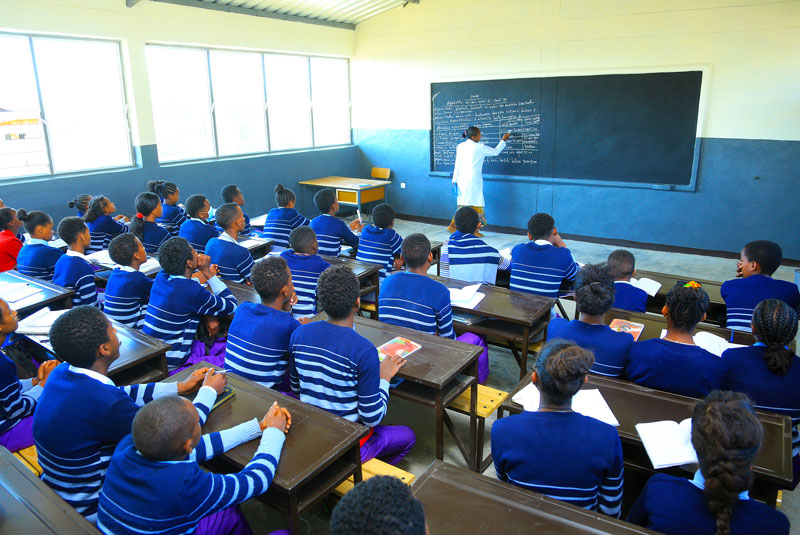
463 294
589 402
710 342
252 242
648 285
668 443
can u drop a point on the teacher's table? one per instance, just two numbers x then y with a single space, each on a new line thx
717 312
350 191
321 449
49 294
633 404
513 317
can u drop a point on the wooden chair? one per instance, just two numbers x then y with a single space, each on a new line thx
489 400
374 467
30 458
382 173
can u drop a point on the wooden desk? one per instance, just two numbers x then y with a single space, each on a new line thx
717 312
633 404
258 247
514 317
350 191
258 221
458 501
320 452
29 506
56 297
242 292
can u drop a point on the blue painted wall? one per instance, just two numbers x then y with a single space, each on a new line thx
728 209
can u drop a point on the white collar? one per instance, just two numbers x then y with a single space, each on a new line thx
203 221
128 269
36 241
70 252
93 374
542 242
227 237
700 482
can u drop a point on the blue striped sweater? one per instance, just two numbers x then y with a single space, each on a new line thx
379 246
244 232
153 236
417 302
38 259
540 268
74 271
331 233
197 232
234 261
743 295
103 229
337 369
473 260
172 217
17 398
610 347
126 296
280 223
306 270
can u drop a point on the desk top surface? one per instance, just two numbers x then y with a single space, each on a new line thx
654 324
316 438
459 501
242 292
667 281
49 292
345 182
361 269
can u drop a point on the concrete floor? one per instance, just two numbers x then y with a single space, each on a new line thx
505 373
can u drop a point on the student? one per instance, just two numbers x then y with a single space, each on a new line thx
234 261
380 505
10 244
726 434
231 193
172 215
306 266
471 259
379 243
81 204
155 479
759 260
17 397
674 363
73 270
542 264
37 258
283 220
144 226
102 226
127 289
594 292
331 231
197 230
258 338
82 415
622 266
411 299
177 302
335 368
578 458
768 371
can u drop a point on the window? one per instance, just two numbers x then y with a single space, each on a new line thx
211 103
82 121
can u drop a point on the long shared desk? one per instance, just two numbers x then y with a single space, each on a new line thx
48 295
717 312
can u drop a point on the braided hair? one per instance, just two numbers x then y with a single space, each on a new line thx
97 208
726 434
162 188
562 367
594 290
775 325
687 304
81 202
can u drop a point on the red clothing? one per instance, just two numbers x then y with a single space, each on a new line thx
9 249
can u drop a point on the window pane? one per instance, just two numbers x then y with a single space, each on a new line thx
288 98
22 145
330 93
181 103
238 84
83 99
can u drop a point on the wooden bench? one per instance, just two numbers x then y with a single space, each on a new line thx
489 400
30 458
375 467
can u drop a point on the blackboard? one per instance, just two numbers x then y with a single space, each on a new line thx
620 128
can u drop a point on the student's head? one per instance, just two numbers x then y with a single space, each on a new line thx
467 220
9 220
124 249
198 206
164 429
176 255
230 217
594 290
726 434
303 240
325 199
73 229
561 371
383 216
338 292
686 305
272 279
621 265
81 202
381 505
166 190
38 224
541 226
99 206
232 193
8 320
147 204
83 335
473 133
284 196
775 325
416 250
761 257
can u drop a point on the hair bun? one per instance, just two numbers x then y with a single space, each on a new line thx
22 214
279 188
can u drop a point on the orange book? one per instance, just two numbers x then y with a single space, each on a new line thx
625 326
398 346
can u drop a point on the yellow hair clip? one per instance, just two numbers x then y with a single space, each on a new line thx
692 284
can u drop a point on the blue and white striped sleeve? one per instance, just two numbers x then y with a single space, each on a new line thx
214 444
245 266
397 244
573 269
444 322
145 393
298 220
609 495
373 392
16 402
86 291
219 303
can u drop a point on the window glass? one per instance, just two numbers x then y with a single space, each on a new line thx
330 94
289 109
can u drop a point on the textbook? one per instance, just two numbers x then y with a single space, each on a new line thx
589 402
225 396
668 443
39 322
398 346
625 326
648 285
466 297
102 258
17 291
710 342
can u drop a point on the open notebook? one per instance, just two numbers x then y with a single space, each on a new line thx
589 402
466 297
648 285
668 443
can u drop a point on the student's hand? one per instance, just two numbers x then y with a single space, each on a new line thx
506 136
277 417
205 266
558 242
390 366
398 263
356 225
217 381
739 269
199 277
44 371
303 321
192 384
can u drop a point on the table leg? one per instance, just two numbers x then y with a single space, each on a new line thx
523 365
376 281
473 423
294 516
356 453
439 426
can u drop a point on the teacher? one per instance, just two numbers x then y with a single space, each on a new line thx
468 172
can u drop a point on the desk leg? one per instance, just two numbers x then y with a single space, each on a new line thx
377 283
439 426
474 448
356 453
523 365
294 517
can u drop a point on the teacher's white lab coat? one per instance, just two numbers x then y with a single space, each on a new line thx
468 170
